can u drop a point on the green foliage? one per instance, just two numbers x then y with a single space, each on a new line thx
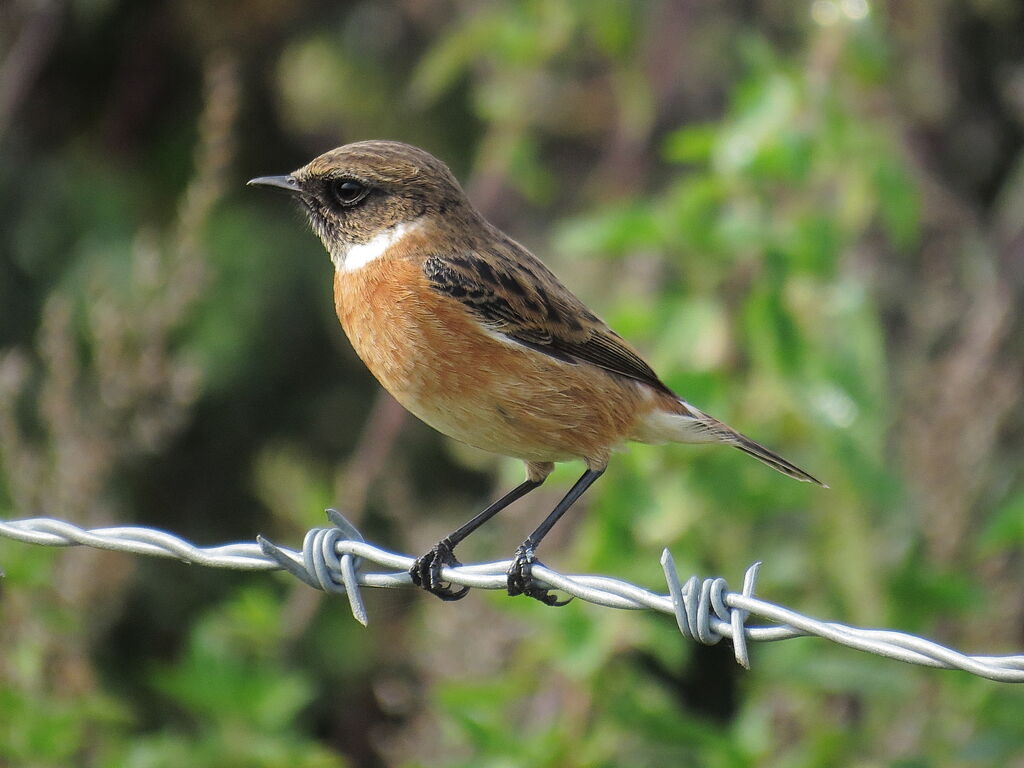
241 703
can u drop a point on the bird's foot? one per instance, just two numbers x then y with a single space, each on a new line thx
426 572
520 579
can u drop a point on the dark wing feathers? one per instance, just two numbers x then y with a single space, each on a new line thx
512 293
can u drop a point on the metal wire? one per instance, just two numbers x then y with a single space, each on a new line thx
334 559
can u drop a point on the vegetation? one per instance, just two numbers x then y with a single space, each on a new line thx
808 215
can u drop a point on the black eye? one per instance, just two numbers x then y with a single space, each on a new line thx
348 191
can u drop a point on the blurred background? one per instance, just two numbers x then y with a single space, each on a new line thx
808 215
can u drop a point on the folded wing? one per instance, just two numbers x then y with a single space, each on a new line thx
511 293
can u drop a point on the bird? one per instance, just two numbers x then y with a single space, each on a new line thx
475 336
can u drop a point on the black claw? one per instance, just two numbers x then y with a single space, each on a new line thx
520 579
426 572
547 597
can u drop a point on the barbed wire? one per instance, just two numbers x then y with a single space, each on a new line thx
333 559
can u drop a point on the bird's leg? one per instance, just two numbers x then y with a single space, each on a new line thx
520 582
426 571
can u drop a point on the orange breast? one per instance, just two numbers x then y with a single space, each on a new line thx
438 362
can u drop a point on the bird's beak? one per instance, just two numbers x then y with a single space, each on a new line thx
287 183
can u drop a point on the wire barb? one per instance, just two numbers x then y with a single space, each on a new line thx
322 567
333 559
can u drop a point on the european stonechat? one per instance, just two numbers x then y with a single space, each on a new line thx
475 336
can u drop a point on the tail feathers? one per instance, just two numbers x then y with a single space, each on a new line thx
680 422
773 459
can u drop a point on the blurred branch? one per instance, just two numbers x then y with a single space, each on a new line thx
705 610
370 456
25 58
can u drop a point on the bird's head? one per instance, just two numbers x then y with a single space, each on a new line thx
364 190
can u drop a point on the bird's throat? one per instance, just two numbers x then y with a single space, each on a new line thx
353 257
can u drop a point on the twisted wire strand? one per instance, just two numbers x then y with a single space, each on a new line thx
333 559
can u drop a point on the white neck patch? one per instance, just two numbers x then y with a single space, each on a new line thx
354 257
